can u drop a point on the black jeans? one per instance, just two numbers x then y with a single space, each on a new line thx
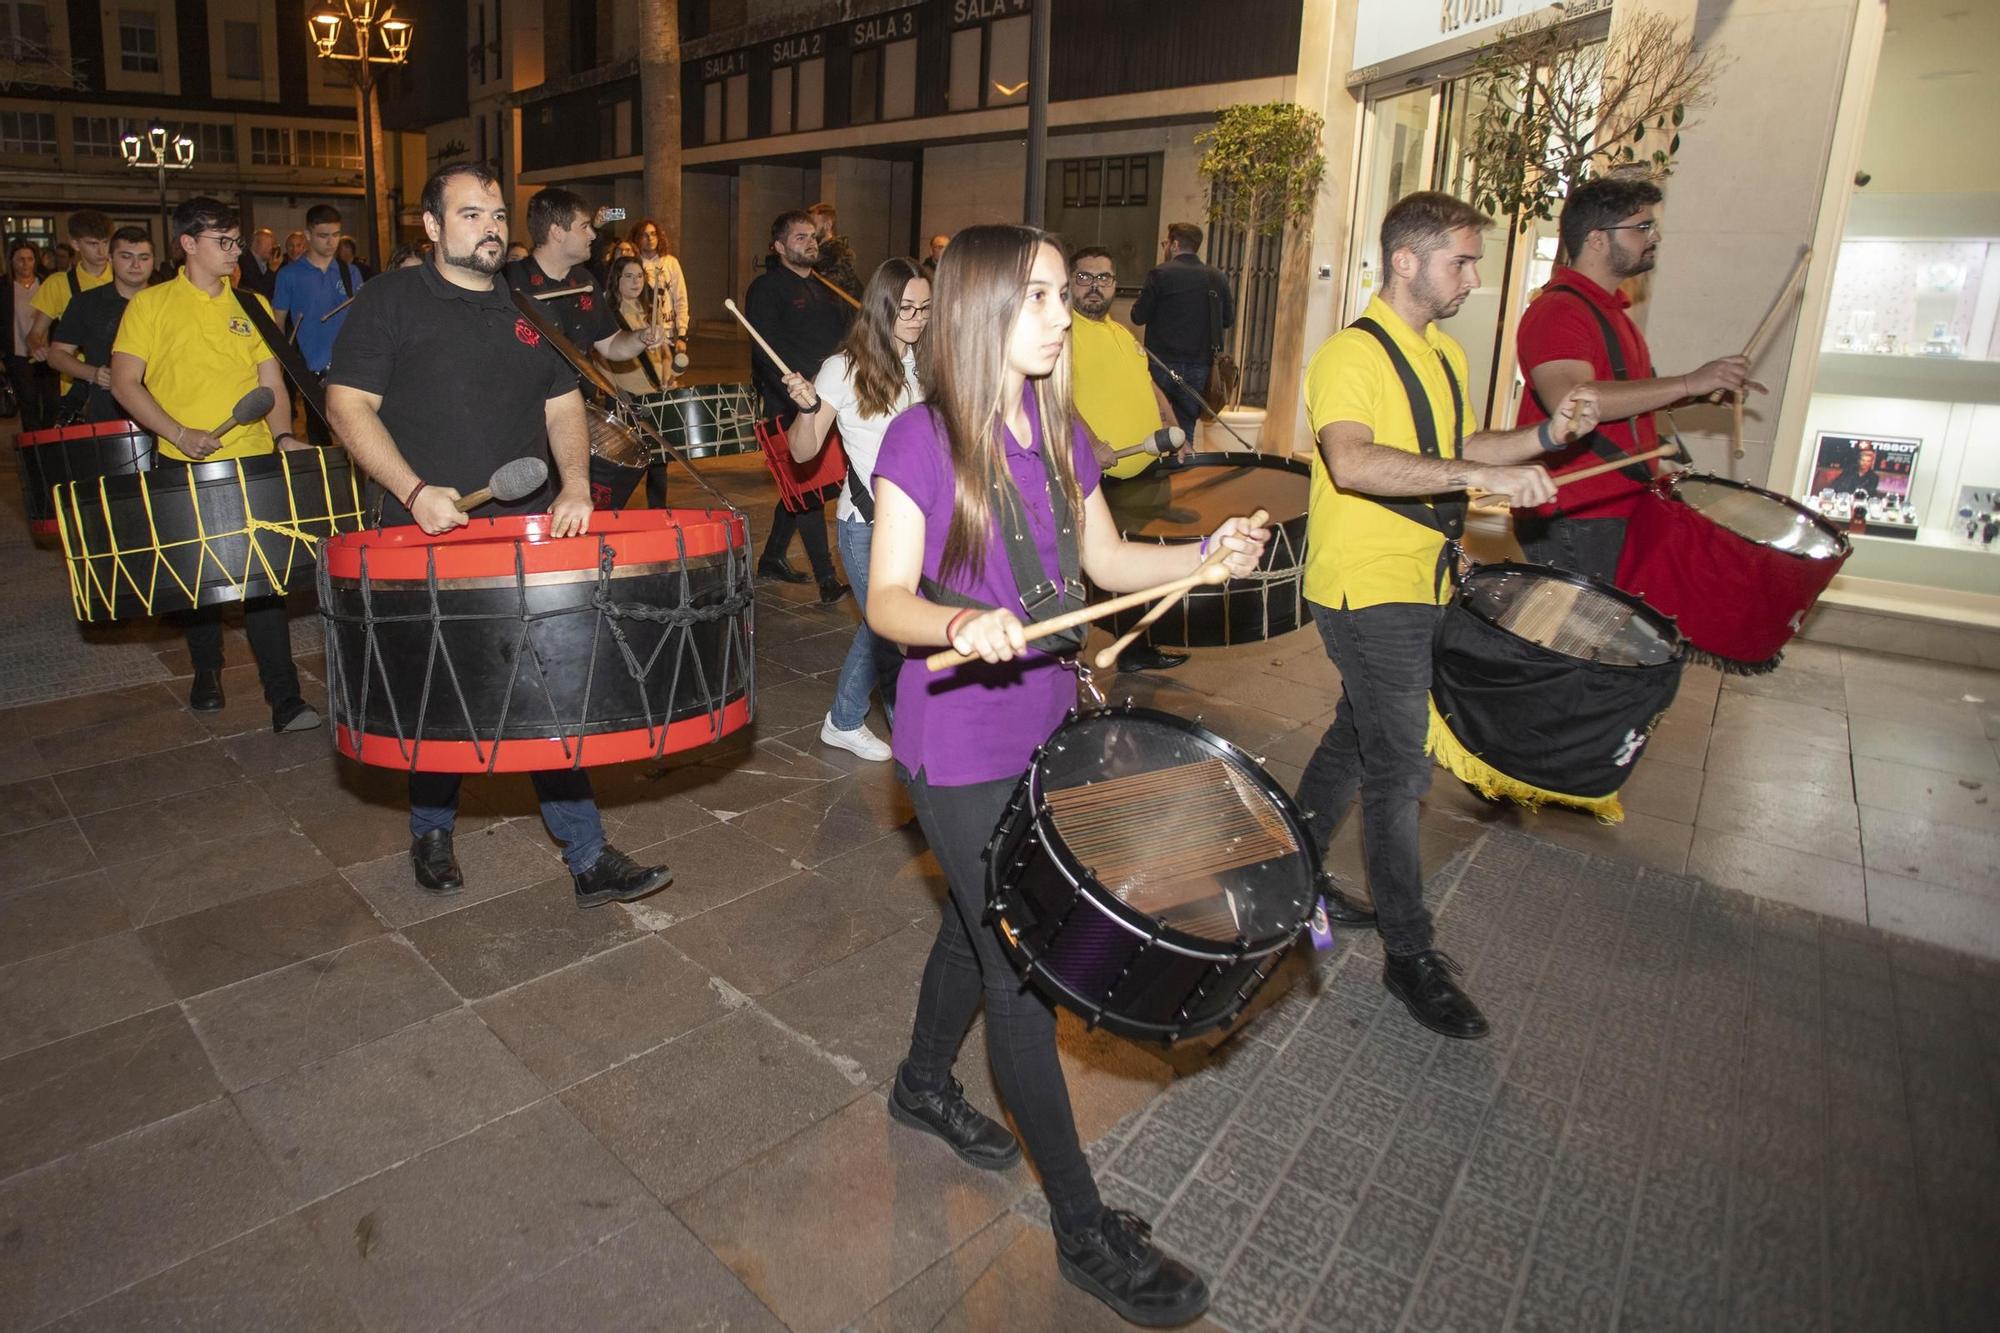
1376 746
811 527
1187 406
656 485
270 635
38 389
966 963
1581 545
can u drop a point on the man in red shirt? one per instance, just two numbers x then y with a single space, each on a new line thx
1577 331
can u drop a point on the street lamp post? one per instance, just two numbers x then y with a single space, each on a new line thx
362 19
157 153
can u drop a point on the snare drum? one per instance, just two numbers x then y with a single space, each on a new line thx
48 458
187 535
1546 685
1736 566
617 458
704 420
1186 502
496 647
1148 874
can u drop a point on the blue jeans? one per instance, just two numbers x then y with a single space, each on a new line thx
1376 746
568 809
872 661
1187 406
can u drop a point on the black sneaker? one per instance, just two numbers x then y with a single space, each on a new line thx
977 1138
294 714
1145 657
782 571
1423 982
205 695
437 869
617 878
1116 1261
1341 909
831 591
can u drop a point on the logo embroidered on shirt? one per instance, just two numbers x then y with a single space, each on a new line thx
584 301
535 280
240 326
526 333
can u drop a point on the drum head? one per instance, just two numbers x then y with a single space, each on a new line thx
1570 614
1180 827
1759 516
1188 501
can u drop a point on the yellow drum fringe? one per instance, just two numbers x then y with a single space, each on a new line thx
1483 778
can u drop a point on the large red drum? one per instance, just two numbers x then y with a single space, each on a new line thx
497 647
1736 566
85 452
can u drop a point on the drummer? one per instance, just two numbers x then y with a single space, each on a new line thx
562 228
185 355
1387 398
635 303
436 382
1577 331
1120 404
80 343
942 573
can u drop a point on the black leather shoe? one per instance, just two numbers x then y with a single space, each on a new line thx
831 591
294 714
1341 909
782 571
1423 982
1116 1261
617 878
437 869
1145 657
977 1138
205 695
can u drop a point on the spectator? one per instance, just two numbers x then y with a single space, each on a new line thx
34 383
1185 308
310 297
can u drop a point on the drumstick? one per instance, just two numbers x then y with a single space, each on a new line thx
1755 345
1585 473
839 291
1107 657
337 309
1042 629
510 481
562 291
758 338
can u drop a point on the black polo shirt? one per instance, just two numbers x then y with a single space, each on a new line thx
464 380
585 318
802 321
90 324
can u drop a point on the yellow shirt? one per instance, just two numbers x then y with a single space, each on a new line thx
1358 553
54 295
201 354
1114 392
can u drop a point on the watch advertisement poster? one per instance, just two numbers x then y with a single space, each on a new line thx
1862 483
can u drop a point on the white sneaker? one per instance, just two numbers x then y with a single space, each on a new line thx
860 741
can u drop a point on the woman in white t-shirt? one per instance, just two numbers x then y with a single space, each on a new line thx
861 387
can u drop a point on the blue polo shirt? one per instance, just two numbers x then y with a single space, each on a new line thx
306 293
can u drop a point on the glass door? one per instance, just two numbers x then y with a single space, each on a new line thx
1396 148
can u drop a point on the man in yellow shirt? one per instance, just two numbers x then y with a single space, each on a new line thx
1387 400
91 230
1115 395
185 355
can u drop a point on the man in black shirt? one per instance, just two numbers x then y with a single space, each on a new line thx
80 342
1184 307
563 231
803 321
436 381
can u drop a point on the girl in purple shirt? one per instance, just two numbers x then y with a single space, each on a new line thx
996 435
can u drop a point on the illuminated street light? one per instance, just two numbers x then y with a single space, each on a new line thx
362 24
159 154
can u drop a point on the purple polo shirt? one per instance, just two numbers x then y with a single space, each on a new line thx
977 723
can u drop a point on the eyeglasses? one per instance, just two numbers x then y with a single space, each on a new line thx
229 245
1647 228
908 311
1094 279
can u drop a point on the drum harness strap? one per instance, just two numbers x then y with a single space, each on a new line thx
1597 442
1044 597
289 358
1445 516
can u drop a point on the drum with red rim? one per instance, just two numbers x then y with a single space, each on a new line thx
1736 566
85 452
497 647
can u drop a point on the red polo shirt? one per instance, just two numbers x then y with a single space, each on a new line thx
1558 326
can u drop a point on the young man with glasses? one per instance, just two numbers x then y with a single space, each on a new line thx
1576 332
184 356
1115 395
313 295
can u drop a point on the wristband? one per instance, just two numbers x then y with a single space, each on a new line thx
1204 548
411 502
1547 437
180 434
951 626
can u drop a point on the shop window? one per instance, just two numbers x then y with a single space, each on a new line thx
95 136
27 132
725 109
864 89
899 80
1113 202
24 30
968 51
40 228
737 93
711 112
1007 62
242 50
139 41
810 111
781 100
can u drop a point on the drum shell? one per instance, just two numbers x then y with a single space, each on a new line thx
503 680
705 420
1541 717
1244 610
1735 600
85 452
178 536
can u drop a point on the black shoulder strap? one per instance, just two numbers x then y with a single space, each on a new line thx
1612 351
645 357
1040 596
287 352
1598 443
1444 515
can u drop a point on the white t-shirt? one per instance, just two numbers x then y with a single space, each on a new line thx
861 436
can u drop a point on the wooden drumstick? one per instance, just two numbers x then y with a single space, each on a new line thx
836 289
1042 629
1107 657
1793 282
756 337
1584 473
